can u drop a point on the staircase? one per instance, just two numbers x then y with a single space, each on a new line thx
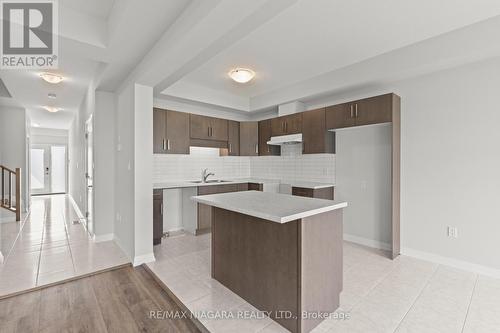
10 178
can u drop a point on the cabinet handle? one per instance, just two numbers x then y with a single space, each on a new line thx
230 150
208 130
352 112
168 144
356 110
268 149
163 144
161 209
256 148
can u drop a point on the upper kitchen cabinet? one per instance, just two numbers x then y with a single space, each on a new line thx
373 110
208 128
170 132
316 139
285 125
265 133
233 140
340 116
249 138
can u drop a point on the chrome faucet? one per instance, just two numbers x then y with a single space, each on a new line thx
205 175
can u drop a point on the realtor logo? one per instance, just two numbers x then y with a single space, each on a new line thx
29 34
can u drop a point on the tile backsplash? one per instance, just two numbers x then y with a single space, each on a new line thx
291 166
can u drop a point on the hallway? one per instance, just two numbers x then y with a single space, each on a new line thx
50 248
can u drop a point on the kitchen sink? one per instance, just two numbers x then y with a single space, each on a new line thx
210 181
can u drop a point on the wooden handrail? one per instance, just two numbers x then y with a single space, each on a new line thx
7 204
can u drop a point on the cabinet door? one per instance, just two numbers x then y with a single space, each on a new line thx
314 134
159 140
293 123
233 138
340 116
177 132
249 138
255 187
278 126
265 133
157 216
200 127
218 129
373 110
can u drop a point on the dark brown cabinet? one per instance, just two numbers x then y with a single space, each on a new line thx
233 141
316 139
265 134
255 187
320 193
157 216
368 111
208 128
170 132
249 138
285 125
204 211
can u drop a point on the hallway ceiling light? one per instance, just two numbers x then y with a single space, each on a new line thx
51 78
52 109
242 75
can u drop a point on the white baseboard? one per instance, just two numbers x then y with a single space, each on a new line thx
143 259
76 208
368 242
460 264
103 238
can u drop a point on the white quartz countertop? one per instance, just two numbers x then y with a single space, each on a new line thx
187 183
280 208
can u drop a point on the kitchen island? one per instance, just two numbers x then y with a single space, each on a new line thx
281 253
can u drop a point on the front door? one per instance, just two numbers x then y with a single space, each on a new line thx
40 169
48 169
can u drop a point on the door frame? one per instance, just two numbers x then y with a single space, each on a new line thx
89 175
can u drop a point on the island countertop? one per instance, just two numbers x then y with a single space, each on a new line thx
280 208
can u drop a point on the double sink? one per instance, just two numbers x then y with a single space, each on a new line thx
210 181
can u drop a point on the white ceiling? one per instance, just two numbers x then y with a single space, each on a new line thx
299 48
311 38
100 41
98 8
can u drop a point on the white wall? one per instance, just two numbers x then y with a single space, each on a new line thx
49 136
13 152
134 173
450 162
363 174
104 165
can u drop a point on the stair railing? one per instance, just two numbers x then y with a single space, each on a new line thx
6 181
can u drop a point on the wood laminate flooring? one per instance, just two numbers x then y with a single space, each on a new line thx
115 301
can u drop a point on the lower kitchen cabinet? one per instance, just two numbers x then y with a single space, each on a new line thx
157 216
255 187
204 211
319 193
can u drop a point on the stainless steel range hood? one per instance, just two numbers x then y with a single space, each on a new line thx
285 139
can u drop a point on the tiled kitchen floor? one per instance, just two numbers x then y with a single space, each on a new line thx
50 248
380 295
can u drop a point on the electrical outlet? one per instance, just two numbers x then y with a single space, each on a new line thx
452 232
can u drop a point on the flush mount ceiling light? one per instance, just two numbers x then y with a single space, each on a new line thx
52 109
242 75
51 78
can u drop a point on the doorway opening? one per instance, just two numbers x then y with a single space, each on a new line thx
48 164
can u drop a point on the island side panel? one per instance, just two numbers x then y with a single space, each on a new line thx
259 261
321 265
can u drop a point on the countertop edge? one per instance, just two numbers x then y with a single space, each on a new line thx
272 218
